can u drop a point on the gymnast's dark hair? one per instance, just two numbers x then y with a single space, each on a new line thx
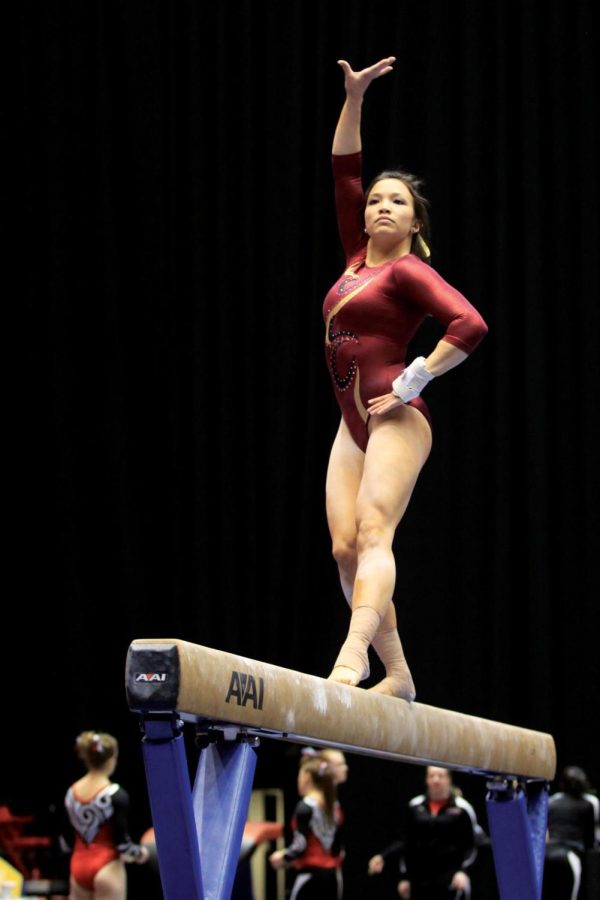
574 781
420 240
94 748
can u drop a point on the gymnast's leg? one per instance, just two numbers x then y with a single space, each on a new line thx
399 445
344 476
111 882
76 892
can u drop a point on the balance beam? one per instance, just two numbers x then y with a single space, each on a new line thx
223 689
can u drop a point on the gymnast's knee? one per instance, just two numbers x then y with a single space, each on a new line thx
344 553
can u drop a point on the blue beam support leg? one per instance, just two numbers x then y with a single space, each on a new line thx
517 820
173 820
198 832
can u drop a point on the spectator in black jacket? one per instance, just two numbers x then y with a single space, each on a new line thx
439 844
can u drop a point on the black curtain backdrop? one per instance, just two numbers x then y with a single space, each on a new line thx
175 236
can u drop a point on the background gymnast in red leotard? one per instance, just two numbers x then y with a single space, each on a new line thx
97 809
384 437
316 852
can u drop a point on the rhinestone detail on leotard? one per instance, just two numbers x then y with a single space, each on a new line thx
336 339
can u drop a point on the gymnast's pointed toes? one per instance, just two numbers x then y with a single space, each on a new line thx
344 675
394 687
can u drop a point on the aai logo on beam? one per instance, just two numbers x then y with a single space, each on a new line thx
245 689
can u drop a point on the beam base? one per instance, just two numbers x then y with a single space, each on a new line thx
198 831
517 816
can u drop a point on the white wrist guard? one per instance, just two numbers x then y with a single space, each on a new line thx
411 382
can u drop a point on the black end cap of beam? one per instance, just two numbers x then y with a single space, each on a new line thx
152 675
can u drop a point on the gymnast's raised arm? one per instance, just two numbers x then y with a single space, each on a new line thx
347 134
346 157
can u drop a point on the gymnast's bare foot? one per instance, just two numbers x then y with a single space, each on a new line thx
401 686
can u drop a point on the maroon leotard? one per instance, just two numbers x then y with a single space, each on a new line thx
372 313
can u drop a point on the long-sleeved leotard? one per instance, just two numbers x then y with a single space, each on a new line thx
101 832
316 851
317 839
373 312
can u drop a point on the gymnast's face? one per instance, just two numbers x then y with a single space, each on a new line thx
305 782
438 783
390 211
338 766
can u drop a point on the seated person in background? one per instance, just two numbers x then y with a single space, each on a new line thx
439 845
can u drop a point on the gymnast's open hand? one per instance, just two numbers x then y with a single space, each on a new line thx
356 83
383 404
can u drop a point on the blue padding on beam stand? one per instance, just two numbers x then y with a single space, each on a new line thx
169 791
517 821
198 832
221 797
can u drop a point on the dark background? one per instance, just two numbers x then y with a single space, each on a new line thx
174 239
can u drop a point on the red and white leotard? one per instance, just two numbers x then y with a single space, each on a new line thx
317 839
372 313
101 835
